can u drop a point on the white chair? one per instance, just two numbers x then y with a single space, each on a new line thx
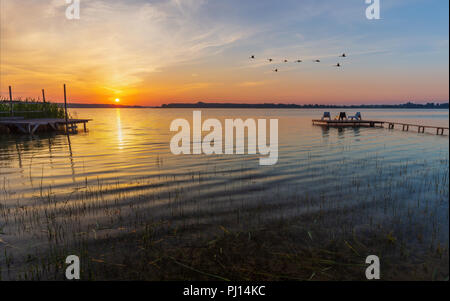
326 115
357 116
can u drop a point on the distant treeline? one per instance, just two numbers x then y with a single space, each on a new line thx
408 105
203 105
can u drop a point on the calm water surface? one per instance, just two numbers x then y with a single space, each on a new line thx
127 144
125 154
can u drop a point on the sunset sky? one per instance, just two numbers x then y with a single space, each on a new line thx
149 52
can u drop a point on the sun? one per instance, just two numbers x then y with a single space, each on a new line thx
117 100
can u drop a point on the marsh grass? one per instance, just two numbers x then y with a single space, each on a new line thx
303 221
185 230
31 108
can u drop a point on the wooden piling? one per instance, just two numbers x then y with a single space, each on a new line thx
43 95
11 102
65 109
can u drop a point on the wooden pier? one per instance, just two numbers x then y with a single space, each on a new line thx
377 123
30 126
420 128
370 123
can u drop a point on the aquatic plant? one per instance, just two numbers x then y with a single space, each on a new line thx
31 108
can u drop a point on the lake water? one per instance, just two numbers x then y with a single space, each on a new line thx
124 160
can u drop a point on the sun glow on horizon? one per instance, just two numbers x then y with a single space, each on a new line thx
117 100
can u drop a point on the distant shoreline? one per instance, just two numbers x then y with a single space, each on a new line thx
203 105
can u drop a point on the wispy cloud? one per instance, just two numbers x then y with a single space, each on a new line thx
252 84
115 43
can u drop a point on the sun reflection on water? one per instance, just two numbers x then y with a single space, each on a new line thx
120 143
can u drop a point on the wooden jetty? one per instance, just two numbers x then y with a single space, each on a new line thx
370 123
377 123
29 126
420 128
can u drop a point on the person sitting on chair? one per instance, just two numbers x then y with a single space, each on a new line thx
342 116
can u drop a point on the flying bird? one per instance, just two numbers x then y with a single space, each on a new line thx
270 60
299 61
316 61
275 70
343 55
337 65
252 57
285 61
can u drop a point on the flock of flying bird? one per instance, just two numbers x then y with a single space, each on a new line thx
252 57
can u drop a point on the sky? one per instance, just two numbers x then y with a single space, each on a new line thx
150 52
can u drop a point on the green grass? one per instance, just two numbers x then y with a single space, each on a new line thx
31 108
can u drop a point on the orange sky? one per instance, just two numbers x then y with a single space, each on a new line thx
154 52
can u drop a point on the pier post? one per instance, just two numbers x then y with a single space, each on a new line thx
43 95
65 109
11 102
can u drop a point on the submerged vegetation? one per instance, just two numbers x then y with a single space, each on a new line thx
30 108
145 231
